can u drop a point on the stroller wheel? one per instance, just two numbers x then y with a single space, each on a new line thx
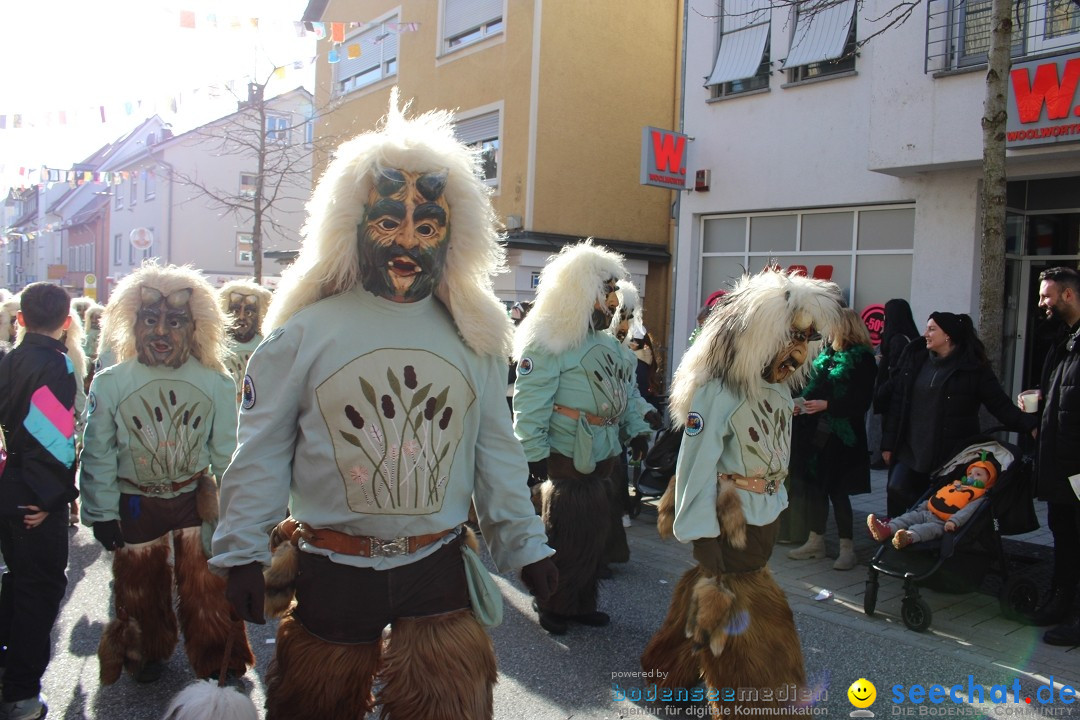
870 597
1018 598
915 613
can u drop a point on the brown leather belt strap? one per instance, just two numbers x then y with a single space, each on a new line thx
162 488
291 530
589 417
759 485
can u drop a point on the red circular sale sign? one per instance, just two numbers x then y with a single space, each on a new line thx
873 316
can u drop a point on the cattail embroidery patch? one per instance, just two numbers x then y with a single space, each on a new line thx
167 422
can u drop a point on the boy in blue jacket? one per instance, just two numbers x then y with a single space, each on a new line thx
37 412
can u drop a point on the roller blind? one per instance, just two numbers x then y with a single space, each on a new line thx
462 15
742 43
820 31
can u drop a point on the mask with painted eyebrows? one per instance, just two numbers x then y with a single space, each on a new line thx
244 311
404 235
164 327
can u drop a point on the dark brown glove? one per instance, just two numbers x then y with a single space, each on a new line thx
245 590
109 534
710 555
639 446
653 418
541 577
538 471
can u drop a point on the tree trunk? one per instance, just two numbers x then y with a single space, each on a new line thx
992 197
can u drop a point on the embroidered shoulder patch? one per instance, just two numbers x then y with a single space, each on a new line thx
525 366
694 424
249 393
91 403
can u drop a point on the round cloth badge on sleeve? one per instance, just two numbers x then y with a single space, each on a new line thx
694 424
91 403
249 393
525 366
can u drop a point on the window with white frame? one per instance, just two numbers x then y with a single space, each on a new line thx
481 132
245 249
366 57
118 249
277 128
469 21
149 185
248 184
823 42
133 197
742 61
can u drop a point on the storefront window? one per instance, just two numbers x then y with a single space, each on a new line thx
773 233
887 229
880 278
725 235
826 231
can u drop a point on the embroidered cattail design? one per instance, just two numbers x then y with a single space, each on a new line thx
754 435
354 417
195 425
157 413
138 423
185 418
410 377
429 409
172 398
388 407
445 419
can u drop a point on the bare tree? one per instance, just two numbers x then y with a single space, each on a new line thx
282 153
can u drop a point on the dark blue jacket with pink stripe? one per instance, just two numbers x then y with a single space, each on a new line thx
37 412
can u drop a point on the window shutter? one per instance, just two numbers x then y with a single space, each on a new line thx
377 45
475 129
462 15
820 32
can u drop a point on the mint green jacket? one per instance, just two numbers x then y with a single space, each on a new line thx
598 377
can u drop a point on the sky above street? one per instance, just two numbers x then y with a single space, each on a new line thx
63 60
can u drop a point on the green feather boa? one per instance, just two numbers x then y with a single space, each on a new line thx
832 371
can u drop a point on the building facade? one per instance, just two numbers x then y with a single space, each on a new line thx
833 142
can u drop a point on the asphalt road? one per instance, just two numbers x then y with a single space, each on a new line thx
541 677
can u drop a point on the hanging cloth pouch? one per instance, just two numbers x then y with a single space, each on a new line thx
487 601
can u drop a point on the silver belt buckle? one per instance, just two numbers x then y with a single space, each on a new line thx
608 422
770 487
389 548
159 489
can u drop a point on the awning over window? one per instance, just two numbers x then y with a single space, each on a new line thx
820 31
742 44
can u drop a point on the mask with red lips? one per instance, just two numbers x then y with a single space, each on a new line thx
404 235
164 328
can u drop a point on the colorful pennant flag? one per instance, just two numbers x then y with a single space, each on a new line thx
353 51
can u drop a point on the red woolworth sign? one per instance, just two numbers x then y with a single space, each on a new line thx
663 158
1042 102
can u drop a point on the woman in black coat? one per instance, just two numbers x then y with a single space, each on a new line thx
829 430
900 329
933 409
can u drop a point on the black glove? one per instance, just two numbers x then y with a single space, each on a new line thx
538 471
639 446
109 534
710 556
245 590
653 418
541 577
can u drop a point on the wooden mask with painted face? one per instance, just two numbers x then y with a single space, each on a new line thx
404 235
791 358
244 311
164 327
605 306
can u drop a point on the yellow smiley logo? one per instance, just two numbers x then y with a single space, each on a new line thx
862 693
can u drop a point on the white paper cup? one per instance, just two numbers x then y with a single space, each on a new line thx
1029 401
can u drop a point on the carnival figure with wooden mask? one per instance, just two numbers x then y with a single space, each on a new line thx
160 423
245 303
729 622
377 441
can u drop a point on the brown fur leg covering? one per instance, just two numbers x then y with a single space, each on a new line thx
280 580
312 678
206 498
710 614
145 629
670 651
576 520
204 611
762 649
665 512
439 668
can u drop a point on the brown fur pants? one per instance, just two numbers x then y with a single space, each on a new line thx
146 629
435 668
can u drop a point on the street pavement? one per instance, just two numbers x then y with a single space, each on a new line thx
544 677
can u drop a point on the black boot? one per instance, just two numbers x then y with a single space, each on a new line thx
1066 634
1054 610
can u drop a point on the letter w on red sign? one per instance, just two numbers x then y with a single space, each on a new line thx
669 152
1058 97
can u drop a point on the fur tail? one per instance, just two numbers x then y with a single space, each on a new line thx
729 512
665 512
710 614
204 700
119 647
280 580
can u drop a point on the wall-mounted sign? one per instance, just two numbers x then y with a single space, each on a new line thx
1042 102
873 316
663 158
90 286
142 238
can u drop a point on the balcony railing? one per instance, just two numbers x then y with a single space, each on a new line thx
958 31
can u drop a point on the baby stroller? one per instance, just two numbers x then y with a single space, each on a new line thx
959 560
650 477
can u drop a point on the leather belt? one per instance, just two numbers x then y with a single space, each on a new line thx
589 417
291 530
759 485
162 488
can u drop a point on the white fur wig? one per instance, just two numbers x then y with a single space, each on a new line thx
747 329
94 311
629 310
246 287
328 263
80 305
118 321
570 285
9 305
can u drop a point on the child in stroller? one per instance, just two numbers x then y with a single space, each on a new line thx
958 560
946 510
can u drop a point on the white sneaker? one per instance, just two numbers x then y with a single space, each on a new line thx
29 709
626 521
